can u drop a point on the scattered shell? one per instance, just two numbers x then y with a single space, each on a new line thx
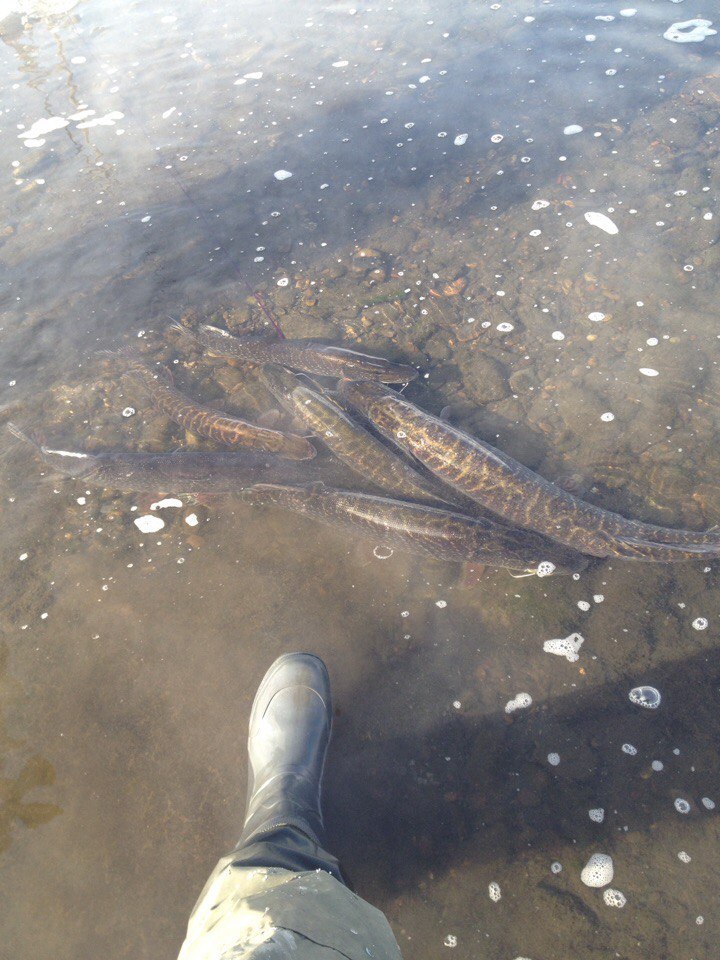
460 139
649 372
129 412
553 759
682 806
572 129
699 623
167 502
494 891
597 814
282 174
600 221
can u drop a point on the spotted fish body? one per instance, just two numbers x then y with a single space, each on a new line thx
180 472
514 492
311 357
429 531
202 420
349 441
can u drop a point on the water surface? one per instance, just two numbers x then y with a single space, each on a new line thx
436 214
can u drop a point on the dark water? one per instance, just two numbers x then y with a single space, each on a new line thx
128 661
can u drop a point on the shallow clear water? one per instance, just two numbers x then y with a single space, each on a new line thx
128 661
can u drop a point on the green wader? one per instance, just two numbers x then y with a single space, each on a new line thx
251 911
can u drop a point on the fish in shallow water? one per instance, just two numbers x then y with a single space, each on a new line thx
180 472
307 355
429 531
514 492
158 384
349 441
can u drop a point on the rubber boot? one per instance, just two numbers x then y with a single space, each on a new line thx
289 733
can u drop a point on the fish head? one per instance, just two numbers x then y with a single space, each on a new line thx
376 368
363 395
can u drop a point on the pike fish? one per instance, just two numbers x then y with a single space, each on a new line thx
179 472
349 441
516 493
429 531
306 355
158 384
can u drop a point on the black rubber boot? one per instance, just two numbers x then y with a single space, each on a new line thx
289 733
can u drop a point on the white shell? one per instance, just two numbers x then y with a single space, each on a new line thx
600 221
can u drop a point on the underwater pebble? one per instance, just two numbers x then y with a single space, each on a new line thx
600 221
699 623
567 647
629 749
689 31
553 759
708 803
649 372
598 871
521 702
647 697
614 898
192 520
282 174
682 806
597 814
148 523
685 857
494 891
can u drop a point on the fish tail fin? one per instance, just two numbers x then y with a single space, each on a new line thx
27 437
177 326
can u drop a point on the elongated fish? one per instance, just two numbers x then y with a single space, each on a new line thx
349 441
179 472
516 493
158 384
306 355
432 532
